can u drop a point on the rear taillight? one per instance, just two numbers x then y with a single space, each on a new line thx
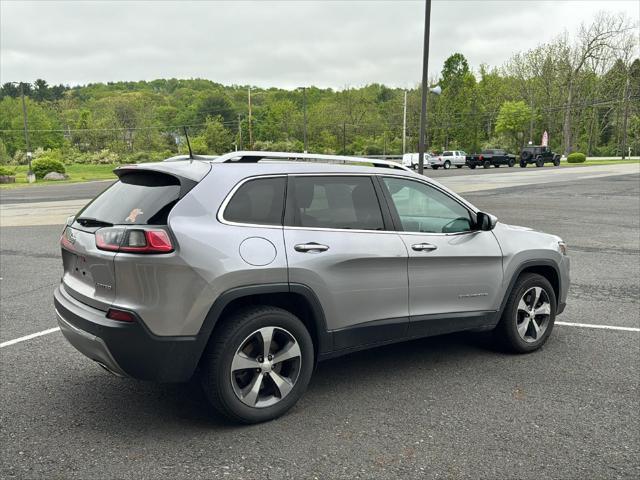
67 239
120 315
138 240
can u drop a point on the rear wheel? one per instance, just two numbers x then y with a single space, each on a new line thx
486 164
447 165
539 162
529 315
511 163
258 364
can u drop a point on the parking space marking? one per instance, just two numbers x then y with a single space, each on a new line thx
28 337
602 327
564 324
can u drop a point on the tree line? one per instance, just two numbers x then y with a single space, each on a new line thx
584 90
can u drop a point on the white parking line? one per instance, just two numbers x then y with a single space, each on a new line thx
566 324
603 327
28 337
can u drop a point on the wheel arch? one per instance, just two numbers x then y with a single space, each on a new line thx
547 268
298 299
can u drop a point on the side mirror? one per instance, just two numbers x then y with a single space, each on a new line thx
486 221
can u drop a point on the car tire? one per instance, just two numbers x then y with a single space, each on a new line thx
518 330
486 164
523 164
472 167
511 163
459 166
238 341
539 162
556 162
447 165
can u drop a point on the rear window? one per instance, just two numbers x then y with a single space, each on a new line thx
138 198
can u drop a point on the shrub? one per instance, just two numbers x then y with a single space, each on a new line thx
4 171
576 157
44 165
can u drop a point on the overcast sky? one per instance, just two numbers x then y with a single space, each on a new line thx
284 44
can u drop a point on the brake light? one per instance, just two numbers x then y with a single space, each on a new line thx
67 239
119 239
120 315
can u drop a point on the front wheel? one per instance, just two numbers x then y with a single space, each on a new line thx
511 163
486 164
556 162
529 315
539 162
258 364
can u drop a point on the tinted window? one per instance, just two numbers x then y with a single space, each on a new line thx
259 201
337 202
425 209
136 199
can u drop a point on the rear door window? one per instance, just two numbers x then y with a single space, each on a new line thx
138 198
258 202
348 202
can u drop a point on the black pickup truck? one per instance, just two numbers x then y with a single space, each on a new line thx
495 157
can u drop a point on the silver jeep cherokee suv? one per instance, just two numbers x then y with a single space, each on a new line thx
250 267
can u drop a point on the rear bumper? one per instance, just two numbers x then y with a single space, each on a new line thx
125 348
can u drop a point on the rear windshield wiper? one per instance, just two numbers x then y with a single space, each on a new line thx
92 222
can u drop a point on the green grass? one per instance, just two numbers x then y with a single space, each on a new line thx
76 172
601 162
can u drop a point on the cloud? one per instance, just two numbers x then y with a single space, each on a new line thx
286 44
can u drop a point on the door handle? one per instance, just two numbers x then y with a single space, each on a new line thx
423 247
311 247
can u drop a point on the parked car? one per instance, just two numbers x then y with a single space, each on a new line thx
448 158
494 156
538 155
248 269
411 160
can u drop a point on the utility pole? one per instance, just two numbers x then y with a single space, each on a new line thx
304 114
425 86
625 118
250 132
30 176
404 125
239 133
344 138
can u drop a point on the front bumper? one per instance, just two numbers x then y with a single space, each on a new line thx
125 348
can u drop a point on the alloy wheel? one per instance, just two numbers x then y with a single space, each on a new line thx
265 367
533 314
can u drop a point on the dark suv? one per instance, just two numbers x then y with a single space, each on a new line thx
538 154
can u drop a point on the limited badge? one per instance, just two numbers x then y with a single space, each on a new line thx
133 215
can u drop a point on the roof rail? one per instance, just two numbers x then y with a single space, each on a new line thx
257 156
180 158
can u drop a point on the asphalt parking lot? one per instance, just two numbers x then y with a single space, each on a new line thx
445 407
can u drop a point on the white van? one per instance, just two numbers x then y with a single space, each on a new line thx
411 160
